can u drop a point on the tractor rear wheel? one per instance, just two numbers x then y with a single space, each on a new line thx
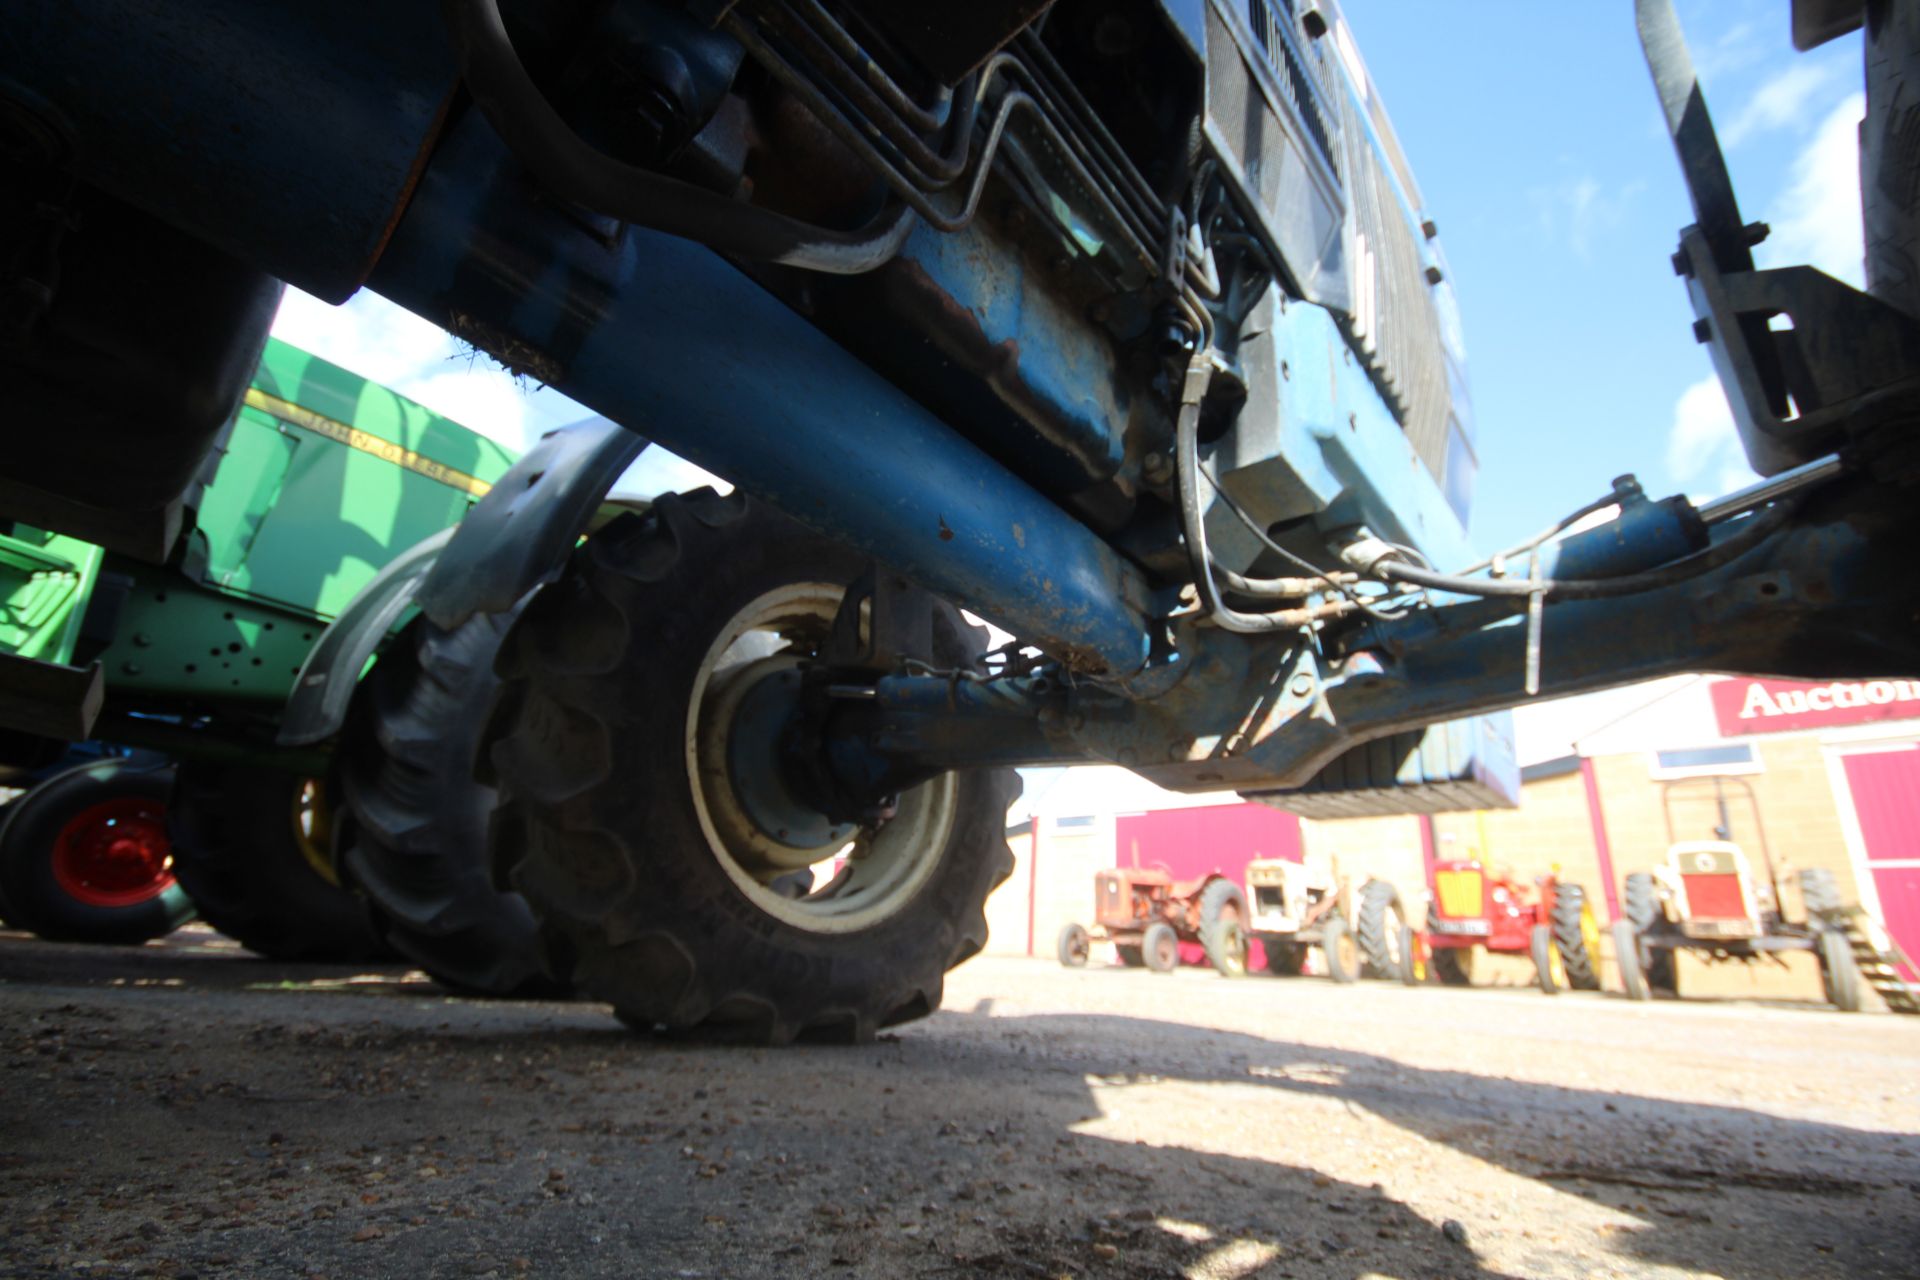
413 822
1284 959
1073 946
1642 908
1379 925
1626 956
1820 893
1223 927
1453 966
1160 945
1129 955
1576 936
1341 949
1839 972
84 856
1641 903
251 849
625 818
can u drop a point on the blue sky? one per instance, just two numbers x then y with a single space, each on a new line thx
1532 129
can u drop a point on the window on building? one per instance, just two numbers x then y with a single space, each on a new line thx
1705 762
1073 822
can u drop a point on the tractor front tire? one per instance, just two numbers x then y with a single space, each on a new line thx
1453 966
616 790
1839 971
1223 927
1341 949
1576 936
1417 966
413 827
1547 968
84 856
250 848
1626 957
1160 945
1380 925
1073 946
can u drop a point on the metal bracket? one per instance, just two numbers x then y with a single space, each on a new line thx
883 621
49 700
1846 364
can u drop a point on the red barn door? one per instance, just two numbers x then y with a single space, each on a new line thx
1886 800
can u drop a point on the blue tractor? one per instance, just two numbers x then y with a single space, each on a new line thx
1120 325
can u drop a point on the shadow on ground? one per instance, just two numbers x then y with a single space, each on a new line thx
181 1112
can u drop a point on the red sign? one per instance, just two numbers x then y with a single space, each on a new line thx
1744 705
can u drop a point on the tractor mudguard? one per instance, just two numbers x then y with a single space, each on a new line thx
317 707
519 534
514 538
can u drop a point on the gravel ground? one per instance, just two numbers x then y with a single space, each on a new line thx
181 1110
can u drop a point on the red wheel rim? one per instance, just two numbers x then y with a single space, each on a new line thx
115 853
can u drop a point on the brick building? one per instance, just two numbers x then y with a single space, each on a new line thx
1799 775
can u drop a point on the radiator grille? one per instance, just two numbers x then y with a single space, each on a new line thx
1714 897
1275 34
1393 322
1460 893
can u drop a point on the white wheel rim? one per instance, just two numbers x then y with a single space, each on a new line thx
880 873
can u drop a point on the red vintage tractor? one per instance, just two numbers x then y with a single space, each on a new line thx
1471 907
1146 915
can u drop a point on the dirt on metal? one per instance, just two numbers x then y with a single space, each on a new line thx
180 1110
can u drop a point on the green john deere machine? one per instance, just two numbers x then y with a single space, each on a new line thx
176 672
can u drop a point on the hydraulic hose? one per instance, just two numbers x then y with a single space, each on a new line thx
1752 534
1193 526
575 170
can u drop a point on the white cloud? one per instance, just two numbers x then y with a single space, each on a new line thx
1582 209
1817 219
486 399
387 344
367 335
1704 454
657 471
1783 101
1734 50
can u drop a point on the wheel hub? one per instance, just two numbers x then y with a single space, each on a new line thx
115 854
761 816
788 858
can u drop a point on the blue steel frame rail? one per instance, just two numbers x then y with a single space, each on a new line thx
669 338
1812 601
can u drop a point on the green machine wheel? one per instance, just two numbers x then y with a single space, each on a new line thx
251 850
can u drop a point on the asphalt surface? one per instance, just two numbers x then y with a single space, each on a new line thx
181 1110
